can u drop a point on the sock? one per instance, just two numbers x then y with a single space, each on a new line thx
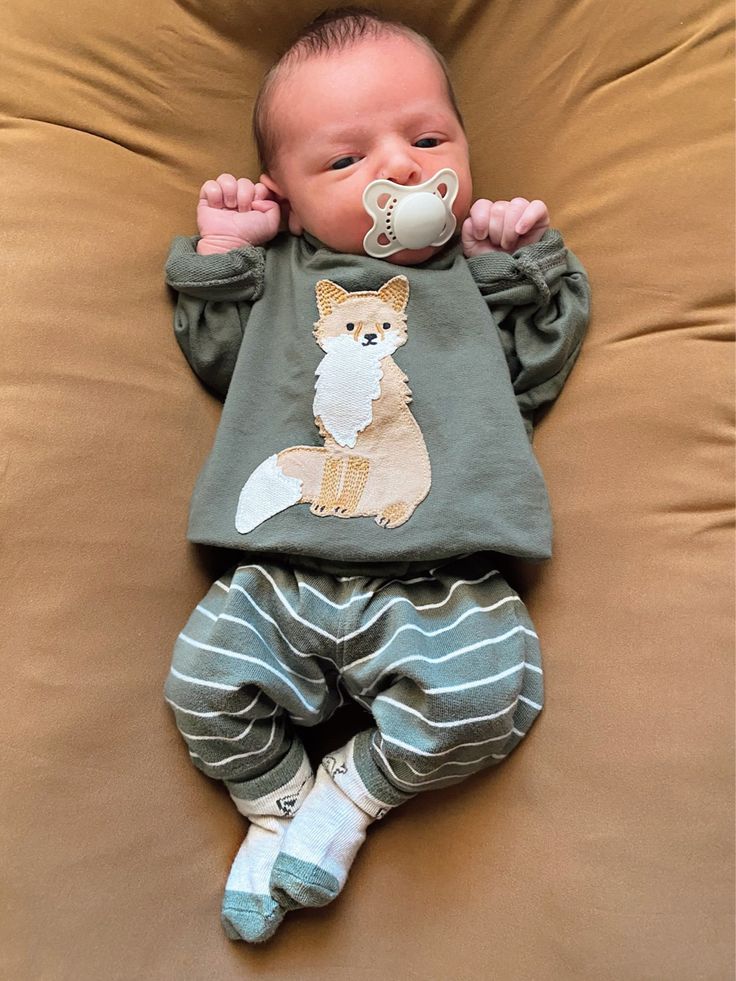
319 846
249 912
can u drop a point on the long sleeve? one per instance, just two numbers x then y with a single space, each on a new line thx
214 297
539 298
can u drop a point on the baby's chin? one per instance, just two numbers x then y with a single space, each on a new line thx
353 245
413 257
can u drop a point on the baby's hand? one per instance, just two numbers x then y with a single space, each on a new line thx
503 226
232 213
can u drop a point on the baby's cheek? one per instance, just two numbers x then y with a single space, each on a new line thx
463 203
343 232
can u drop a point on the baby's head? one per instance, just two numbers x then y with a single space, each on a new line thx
354 99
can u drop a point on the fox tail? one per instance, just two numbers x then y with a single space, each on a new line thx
267 491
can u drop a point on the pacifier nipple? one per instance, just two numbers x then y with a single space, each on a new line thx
410 217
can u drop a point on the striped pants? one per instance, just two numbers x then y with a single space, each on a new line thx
447 662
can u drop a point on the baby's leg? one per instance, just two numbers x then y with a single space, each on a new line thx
237 682
449 665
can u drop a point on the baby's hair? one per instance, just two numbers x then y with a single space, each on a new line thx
333 30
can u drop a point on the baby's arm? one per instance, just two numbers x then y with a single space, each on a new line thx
539 299
219 275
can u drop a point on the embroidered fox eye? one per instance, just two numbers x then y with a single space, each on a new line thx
386 325
350 326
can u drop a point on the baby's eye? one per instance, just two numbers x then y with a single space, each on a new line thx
343 162
427 142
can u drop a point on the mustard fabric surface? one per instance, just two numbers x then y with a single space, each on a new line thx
603 848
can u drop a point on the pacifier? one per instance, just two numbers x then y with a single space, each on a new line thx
410 217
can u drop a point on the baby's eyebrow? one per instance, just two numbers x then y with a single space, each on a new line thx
429 114
341 134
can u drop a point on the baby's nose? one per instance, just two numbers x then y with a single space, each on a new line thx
401 168
405 176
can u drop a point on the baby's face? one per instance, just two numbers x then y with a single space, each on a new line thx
378 109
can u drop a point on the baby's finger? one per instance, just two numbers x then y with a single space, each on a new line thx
262 193
265 206
535 214
245 194
467 235
211 194
495 222
515 210
480 215
229 190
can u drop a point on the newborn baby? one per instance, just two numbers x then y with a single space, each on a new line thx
382 343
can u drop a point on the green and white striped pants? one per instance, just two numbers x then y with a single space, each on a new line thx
447 662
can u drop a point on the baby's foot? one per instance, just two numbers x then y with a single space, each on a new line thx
248 911
319 847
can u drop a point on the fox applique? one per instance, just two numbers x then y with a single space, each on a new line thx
374 462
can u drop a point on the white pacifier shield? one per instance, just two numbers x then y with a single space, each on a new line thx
410 217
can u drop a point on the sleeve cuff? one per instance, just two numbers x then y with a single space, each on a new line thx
538 264
234 275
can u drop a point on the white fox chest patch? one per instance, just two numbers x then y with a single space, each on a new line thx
348 380
374 461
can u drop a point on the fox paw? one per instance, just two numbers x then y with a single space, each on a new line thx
323 510
394 515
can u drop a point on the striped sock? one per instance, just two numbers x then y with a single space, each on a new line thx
249 912
319 847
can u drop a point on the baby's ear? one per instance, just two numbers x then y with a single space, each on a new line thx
288 216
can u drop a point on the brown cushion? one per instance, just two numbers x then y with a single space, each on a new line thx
602 848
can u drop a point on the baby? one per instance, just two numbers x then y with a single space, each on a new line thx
367 505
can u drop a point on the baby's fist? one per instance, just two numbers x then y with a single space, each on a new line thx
503 226
232 213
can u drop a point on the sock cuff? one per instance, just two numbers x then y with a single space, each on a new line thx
280 791
350 766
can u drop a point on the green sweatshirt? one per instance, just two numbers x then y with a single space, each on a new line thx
377 418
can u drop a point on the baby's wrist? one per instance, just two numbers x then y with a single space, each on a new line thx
217 244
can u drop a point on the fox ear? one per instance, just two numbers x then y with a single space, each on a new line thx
396 293
329 295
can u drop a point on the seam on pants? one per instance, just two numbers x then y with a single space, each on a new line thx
340 634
